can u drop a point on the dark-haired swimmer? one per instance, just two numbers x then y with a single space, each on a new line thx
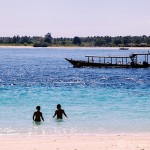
59 112
37 116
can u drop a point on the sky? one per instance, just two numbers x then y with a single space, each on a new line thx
69 18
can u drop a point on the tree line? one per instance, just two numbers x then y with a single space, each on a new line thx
96 41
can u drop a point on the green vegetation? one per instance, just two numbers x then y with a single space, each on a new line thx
96 41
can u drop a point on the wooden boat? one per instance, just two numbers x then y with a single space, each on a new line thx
112 61
123 48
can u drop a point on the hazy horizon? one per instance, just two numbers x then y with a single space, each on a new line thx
74 18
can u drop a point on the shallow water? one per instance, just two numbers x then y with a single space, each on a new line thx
96 100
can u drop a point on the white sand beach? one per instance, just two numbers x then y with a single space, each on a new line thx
76 142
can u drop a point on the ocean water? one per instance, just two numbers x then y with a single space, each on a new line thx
96 100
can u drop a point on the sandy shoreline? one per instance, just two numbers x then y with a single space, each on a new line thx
76 142
130 48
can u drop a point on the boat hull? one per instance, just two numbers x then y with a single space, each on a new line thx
80 63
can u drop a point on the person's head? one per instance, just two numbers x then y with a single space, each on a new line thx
58 106
38 108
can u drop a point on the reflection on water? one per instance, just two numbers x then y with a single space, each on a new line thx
35 123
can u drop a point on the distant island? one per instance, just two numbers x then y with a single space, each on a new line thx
96 41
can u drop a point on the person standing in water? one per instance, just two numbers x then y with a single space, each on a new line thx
59 112
37 116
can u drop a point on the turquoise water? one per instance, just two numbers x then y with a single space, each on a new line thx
96 100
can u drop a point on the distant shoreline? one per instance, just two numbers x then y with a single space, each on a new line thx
73 47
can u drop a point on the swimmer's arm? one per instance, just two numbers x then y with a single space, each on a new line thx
42 117
65 114
55 114
33 116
